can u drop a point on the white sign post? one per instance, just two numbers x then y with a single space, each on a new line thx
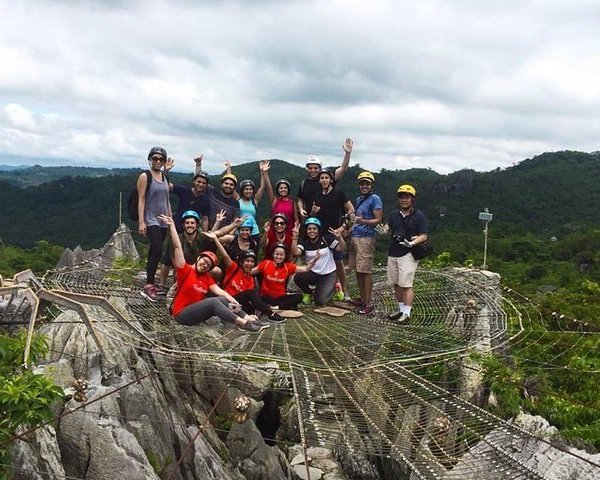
486 217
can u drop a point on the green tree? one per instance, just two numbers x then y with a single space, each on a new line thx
26 398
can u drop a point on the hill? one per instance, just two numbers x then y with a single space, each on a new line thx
552 193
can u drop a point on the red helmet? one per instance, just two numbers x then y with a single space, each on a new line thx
211 256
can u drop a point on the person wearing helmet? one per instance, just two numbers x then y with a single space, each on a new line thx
275 275
192 197
310 186
249 197
276 232
239 282
282 201
328 206
367 215
193 241
242 241
408 228
320 245
222 199
191 305
153 201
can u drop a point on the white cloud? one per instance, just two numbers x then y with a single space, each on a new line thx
445 85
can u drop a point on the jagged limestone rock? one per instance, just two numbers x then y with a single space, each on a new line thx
256 460
40 453
534 452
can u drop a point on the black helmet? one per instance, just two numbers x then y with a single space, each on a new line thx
329 171
279 245
283 181
157 151
246 183
283 216
246 254
201 174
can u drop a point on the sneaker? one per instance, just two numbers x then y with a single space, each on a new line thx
347 298
160 289
338 296
306 298
356 302
399 317
252 326
149 291
275 317
366 310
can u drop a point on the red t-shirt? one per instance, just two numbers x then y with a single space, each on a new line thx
237 282
275 277
191 287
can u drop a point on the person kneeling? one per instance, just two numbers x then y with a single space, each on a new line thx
191 305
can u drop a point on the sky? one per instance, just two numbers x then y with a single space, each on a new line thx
444 85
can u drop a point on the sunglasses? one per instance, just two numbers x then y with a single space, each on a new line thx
159 159
279 223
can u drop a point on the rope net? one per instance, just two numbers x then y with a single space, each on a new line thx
364 385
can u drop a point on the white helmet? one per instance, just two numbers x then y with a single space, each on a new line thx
313 160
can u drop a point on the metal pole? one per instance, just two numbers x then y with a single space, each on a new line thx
485 240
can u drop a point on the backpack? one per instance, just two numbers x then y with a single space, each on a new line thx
132 202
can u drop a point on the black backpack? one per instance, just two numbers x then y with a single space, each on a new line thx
132 202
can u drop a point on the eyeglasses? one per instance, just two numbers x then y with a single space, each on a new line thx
158 159
279 223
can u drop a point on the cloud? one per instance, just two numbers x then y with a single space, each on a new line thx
444 85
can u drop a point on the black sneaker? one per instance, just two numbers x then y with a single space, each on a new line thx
395 315
275 317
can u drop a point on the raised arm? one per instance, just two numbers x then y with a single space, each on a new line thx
343 168
270 190
264 166
308 267
337 233
294 250
178 258
226 258
198 162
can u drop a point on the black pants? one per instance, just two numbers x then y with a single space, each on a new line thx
289 301
250 300
156 236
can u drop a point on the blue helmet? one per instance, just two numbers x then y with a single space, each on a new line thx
192 214
312 221
248 223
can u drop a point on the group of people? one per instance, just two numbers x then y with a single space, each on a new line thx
214 242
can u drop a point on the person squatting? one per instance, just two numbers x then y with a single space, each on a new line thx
214 238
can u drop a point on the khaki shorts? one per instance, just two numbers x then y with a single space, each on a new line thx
401 270
362 253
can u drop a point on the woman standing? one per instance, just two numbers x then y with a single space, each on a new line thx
191 304
249 197
282 202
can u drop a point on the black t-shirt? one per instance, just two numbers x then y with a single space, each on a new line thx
191 250
218 202
309 188
332 208
404 228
